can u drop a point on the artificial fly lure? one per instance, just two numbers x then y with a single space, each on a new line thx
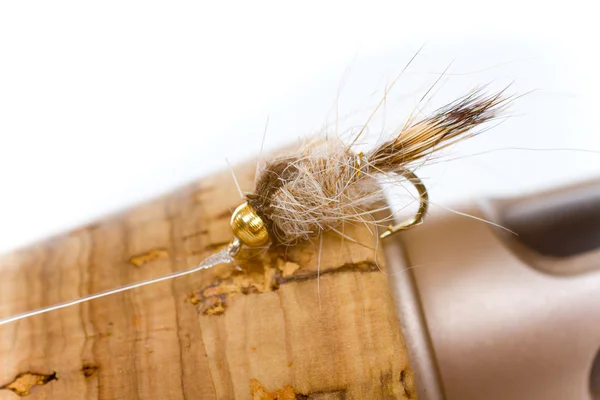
326 183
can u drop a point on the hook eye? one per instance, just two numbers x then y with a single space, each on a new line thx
423 206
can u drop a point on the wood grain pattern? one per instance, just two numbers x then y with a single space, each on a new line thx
271 330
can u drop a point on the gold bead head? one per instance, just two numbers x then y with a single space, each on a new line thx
248 227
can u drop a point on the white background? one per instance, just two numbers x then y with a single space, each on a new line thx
105 104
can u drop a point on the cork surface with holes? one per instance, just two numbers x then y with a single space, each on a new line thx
270 331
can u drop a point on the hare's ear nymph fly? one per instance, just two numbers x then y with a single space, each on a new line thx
325 183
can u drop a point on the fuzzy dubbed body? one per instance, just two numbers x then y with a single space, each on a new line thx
314 191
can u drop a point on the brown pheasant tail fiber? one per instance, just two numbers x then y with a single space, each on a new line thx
446 126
